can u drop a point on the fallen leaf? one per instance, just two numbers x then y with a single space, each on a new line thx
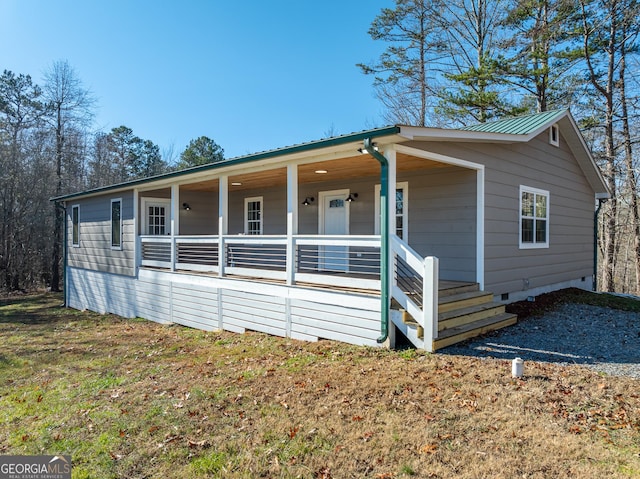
429 449
323 473
293 431
193 444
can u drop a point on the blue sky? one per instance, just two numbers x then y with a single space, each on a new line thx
253 75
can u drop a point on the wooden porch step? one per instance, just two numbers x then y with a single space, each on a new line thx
471 330
410 320
463 300
458 317
449 288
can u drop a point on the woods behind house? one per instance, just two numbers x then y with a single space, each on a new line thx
452 63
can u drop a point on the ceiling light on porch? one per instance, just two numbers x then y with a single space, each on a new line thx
236 183
308 200
321 172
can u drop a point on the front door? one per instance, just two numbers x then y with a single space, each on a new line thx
156 217
334 220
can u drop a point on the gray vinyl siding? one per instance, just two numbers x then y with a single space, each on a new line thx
95 252
442 214
274 210
202 218
540 165
442 219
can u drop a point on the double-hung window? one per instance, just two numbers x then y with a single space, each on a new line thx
116 224
75 225
534 218
253 215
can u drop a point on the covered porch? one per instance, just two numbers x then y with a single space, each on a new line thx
315 222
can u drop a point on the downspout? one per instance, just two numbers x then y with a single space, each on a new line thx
63 207
595 243
384 239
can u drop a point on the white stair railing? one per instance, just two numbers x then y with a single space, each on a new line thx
415 287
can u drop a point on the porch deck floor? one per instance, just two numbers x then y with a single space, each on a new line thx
443 284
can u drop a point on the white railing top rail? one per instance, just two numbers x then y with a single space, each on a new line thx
408 255
322 240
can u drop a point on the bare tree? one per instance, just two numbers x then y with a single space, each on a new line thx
20 112
604 41
70 107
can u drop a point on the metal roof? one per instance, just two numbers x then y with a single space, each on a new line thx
521 125
262 155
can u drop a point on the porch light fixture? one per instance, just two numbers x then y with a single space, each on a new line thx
186 206
236 183
308 200
321 172
351 197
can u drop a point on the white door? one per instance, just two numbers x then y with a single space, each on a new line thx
334 220
156 217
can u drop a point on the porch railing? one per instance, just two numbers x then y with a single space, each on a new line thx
347 261
343 261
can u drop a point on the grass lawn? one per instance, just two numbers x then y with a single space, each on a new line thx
134 399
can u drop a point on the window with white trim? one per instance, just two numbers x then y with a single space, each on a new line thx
534 218
75 225
116 223
253 215
400 221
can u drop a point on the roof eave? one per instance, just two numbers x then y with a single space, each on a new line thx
300 149
418 133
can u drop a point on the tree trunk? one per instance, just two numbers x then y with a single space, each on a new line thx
631 175
57 232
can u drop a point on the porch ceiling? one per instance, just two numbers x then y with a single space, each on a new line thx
357 166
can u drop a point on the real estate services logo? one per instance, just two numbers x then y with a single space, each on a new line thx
35 467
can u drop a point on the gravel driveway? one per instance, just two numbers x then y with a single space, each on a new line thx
605 340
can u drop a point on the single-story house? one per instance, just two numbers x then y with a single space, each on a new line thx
423 231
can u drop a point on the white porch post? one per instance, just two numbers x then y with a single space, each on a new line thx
292 220
480 227
175 222
430 300
137 246
223 221
390 155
